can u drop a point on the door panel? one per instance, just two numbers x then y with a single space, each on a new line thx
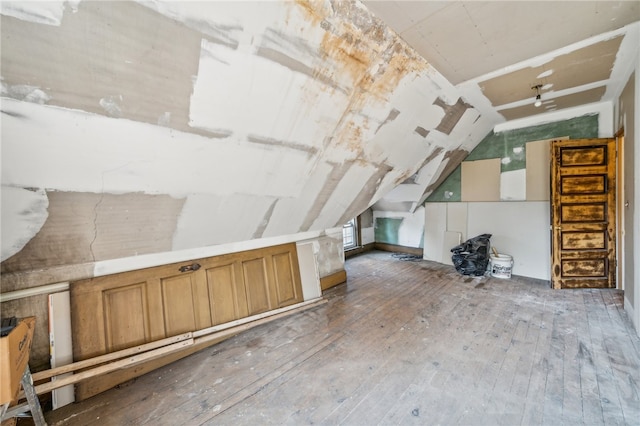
583 213
224 295
177 297
257 285
283 276
124 326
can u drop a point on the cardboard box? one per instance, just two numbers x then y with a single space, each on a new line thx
14 356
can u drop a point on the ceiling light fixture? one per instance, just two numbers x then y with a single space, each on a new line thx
538 101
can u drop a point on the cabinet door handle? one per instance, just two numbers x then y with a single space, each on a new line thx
189 268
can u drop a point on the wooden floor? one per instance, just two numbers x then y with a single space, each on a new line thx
403 343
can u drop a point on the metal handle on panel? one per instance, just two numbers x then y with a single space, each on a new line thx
190 268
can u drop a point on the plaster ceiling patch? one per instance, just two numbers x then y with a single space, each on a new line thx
568 72
452 114
567 101
24 212
123 156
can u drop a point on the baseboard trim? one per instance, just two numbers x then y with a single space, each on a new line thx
358 250
333 279
401 249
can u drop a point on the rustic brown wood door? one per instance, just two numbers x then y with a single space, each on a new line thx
583 213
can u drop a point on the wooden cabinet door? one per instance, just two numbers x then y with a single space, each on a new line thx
583 213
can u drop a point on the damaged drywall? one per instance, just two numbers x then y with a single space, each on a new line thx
88 227
193 125
24 211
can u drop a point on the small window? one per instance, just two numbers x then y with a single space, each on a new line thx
350 234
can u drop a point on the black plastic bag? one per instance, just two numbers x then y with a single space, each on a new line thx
472 256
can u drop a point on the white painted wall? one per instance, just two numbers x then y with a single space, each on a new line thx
518 228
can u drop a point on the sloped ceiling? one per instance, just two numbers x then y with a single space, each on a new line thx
145 127
496 52
506 48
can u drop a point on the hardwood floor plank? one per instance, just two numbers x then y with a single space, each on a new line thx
403 343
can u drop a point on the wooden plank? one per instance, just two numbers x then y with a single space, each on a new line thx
42 375
116 365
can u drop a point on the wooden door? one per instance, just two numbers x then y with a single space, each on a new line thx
131 308
583 213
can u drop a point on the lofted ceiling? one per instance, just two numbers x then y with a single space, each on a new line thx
499 50
146 127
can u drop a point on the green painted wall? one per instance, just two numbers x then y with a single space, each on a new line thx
386 230
501 145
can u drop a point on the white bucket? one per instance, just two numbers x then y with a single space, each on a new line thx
501 265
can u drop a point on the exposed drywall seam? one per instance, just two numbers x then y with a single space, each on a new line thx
259 232
337 173
453 114
365 195
291 145
422 132
393 114
454 158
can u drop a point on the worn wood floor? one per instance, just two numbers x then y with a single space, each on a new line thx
403 343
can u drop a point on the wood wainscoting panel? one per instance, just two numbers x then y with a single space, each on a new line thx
123 310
